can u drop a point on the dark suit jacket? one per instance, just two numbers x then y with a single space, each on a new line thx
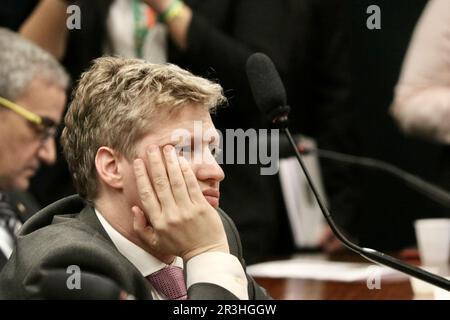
69 233
24 205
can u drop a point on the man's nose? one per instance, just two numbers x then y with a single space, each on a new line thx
47 151
209 169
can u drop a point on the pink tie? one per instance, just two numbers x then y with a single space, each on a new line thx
170 282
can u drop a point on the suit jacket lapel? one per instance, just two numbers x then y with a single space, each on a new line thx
88 217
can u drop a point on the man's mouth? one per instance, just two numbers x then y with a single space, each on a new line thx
212 196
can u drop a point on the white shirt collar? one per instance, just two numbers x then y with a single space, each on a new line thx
141 259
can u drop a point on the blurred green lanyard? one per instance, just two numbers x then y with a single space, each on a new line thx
143 18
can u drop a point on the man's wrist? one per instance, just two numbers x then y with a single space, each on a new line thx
222 269
223 248
159 6
170 11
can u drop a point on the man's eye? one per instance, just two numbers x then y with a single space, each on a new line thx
183 150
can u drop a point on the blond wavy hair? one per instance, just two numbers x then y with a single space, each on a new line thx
114 105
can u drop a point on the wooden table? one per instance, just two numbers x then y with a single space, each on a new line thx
299 289
303 289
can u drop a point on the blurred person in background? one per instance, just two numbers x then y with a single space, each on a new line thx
421 104
422 95
32 100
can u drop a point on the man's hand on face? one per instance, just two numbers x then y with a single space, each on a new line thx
176 218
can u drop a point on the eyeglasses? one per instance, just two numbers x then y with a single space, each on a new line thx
45 126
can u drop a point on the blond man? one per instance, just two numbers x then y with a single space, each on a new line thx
147 214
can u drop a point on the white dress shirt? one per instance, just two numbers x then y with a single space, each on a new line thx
218 268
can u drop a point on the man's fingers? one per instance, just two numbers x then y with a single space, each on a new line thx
139 221
191 181
145 190
159 178
140 225
176 178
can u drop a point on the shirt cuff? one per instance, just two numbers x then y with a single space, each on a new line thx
219 268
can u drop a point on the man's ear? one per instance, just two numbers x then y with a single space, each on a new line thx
108 169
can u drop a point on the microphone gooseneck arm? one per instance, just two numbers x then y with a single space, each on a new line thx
416 183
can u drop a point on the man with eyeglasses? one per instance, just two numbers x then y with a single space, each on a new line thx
32 101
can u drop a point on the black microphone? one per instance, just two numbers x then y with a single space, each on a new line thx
415 182
269 94
53 285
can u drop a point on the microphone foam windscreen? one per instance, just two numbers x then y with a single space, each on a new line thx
266 85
